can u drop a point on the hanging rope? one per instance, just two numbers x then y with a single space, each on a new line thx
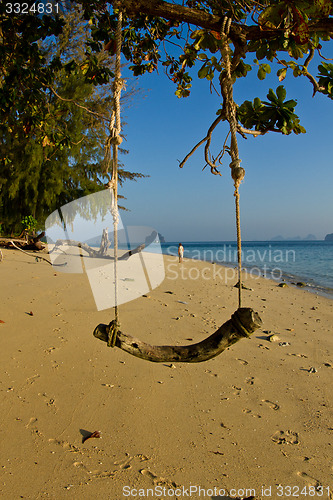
115 140
237 172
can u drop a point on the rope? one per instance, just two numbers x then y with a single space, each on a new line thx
115 140
238 325
237 172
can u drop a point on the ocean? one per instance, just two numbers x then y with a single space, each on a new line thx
308 262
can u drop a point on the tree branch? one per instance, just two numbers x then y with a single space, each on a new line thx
206 139
245 131
80 106
175 12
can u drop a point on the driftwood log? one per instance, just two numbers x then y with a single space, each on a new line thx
102 252
33 243
241 325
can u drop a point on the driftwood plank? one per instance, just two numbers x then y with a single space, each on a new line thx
241 325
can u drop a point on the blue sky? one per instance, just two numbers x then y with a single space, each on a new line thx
288 185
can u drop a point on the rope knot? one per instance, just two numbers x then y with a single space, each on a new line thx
238 325
237 172
113 330
115 137
115 215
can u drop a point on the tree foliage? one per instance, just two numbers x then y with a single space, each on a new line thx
51 143
187 40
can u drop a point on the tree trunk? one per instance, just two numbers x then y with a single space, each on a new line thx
241 325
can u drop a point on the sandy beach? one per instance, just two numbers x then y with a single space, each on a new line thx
254 421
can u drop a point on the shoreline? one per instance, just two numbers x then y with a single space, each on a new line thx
261 268
284 276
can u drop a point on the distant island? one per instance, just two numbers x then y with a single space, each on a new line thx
309 237
329 237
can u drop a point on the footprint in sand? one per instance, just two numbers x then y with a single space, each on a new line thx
250 380
33 420
32 379
309 479
248 411
211 373
125 464
272 405
65 445
160 481
79 465
243 361
50 402
31 425
237 390
285 437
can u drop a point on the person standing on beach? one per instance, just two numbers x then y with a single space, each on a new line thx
180 252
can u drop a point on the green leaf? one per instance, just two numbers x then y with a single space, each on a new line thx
281 93
203 71
271 96
257 103
261 73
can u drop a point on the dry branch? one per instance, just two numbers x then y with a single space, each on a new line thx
241 325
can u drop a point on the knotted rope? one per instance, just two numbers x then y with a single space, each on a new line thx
237 172
115 140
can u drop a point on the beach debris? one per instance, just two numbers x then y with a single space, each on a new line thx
312 370
300 284
290 329
171 366
95 434
328 364
171 293
2 321
282 285
284 344
30 313
274 338
181 302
